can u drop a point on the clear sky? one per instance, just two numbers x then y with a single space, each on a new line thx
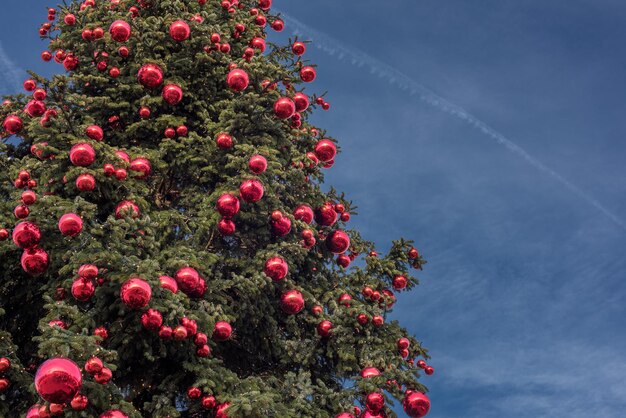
522 303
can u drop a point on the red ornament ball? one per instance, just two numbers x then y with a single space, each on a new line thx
188 280
299 48
209 402
13 124
104 376
85 183
237 80
265 4
374 402
292 302
416 404
224 141
325 150
222 331
276 268
82 155
150 76
326 215
26 235
324 328
257 164
429 370
94 132
308 74
4 384
93 365
304 213
281 227
168 283
141 165
114 413
58 380
403 343
152 320
368 372
172 94
83 289
5 365
70 224
302 102
35 108
127 208
79 402
35 261
338 242
399 282
226 227
251 191
136 293
120 31
179 30
284 108
228 205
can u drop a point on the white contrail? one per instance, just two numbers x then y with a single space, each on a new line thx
10 71
404 82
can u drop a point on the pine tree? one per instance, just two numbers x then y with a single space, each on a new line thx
166 246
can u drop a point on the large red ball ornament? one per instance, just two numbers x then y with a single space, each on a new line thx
257 164
95 132
399 282
284 108
299 48
308 74
338 242
70 225
85 183
136 293
127 208
368 372
325 150
35 108
403 343
265 4
416 404
281 227
237 80
179 30
150 76
26 235
228 205
82 155
326 215
304 213
188 280
302 102
292 302
120 31
251 191
35 261
143 166
276 268
83 289
114 413
324 328
224 141
374 402
222 331
13 124
58 380
172 94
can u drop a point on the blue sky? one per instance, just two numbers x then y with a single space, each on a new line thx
522 302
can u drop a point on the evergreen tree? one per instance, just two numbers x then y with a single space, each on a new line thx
166 247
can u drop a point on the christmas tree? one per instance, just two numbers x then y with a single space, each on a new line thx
166 246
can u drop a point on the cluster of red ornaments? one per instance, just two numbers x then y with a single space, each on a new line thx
208 402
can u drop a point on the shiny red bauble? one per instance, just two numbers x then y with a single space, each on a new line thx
226 227
79 402
5 365
168 283
284 108
4 234
152 320
13 124
179 30
114 413
378 320
416 404
303 213
325 150
85 183
301 101
82 155
338 242
292 302
93 365
413 253
136 293
83 289
144 113
308 74
120 31
141 165
429 370
326 215
150 76
172 94
188 280
127 208
278 25
224 141
276 268
70 225
257 164
251 191
299 48
399 282
374 402
222 331
281 227
4 384
258 43
58 380
35 261
95 132
88 271
324 328
104 376
26 235
21 211
368 372
403 343
222 410
35 108
237 80
228 205
265 4
209 402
